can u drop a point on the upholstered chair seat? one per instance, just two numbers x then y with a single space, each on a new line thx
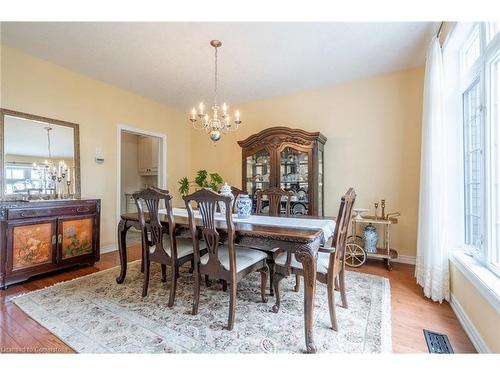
322 263
245 257
184 247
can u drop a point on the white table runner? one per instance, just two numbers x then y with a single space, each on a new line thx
327 226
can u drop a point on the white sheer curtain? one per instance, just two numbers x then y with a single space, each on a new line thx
431 269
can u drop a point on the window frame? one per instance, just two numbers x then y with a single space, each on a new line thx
492 118
481 70
468 77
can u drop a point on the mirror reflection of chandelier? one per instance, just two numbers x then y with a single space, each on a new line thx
49 171
220 121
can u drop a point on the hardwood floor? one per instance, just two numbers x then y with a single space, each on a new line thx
411 312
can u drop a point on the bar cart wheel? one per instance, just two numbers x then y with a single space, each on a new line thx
355 255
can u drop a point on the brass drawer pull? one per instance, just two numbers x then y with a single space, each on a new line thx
82 209
59 238
54 239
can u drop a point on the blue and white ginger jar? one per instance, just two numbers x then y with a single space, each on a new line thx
244 206
370 237
226 191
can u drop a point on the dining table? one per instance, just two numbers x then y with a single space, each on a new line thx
300 235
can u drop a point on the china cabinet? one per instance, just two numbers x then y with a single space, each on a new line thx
291 159
43 236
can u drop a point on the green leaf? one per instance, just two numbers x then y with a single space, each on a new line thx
184 186
201 178
216 178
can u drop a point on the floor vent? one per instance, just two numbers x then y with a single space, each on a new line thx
437 343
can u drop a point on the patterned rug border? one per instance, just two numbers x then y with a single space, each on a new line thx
12 299
386 329
27 294
386 335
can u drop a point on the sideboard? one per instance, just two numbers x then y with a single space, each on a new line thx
43 236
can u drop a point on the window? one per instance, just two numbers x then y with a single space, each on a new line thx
19 178
473 166
480 99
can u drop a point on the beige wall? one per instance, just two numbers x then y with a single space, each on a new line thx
481 313
36 86
373 130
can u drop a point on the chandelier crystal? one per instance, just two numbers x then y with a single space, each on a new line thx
219 122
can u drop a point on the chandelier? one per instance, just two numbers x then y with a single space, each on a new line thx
219 122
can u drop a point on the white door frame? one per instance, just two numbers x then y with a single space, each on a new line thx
162 168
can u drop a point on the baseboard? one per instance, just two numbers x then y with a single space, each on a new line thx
406 259
468 326
109 248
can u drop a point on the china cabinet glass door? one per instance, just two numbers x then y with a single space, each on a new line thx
294 177
258 173
320 182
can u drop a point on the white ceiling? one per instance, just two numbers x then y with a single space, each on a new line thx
173 62
29 138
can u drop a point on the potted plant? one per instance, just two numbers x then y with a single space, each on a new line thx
202 181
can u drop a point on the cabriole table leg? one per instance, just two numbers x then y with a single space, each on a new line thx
308 259
122 247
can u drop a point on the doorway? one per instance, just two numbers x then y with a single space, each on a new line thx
141 163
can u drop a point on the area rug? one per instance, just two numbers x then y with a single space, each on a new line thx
94 314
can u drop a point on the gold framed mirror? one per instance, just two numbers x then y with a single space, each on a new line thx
39 158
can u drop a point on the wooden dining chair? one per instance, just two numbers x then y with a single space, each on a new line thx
330 261
274 196
226 262
157 244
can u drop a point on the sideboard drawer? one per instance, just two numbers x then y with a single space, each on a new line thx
21 213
